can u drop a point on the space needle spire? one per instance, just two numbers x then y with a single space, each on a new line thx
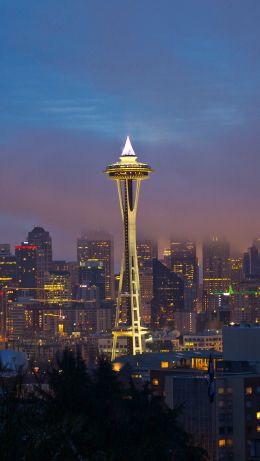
128 172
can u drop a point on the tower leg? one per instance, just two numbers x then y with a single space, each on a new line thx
134 273
129 274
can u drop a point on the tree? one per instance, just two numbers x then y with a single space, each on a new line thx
90 416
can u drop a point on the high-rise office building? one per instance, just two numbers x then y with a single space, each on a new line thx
8 267
251 261
99 249
168 295
5 249
254 261
128 173
41 239
26 258
146 251
92 274
245 302
216 278
57 287
8 280
104 317
246 265
68 266
24 316
167 259
235 270
256 242
184 263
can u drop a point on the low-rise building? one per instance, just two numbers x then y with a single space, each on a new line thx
211 339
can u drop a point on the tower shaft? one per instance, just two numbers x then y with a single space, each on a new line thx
129 287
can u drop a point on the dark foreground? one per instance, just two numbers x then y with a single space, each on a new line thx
89 417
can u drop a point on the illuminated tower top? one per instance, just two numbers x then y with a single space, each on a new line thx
128 150
128 166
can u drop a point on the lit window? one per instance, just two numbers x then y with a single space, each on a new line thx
258 415
222 443
258 428
164 364
221 390
155 382
221 403
117 366
229 442
249 390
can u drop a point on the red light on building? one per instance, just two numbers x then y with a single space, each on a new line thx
25 247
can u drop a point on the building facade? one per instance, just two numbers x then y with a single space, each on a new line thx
184 263
42 240
168 296
216 276
102 250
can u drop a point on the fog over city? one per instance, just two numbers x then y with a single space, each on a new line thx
184 87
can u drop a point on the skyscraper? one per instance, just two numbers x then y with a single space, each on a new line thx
128 173
8 279
58 287
235 270
251 263
146 251
216 277
41 239
168 295
26 257
5 249
101 249
184 263
92 274
8 267
167 258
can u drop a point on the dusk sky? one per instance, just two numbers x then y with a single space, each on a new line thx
181 78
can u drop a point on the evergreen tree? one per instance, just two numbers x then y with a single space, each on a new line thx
91 417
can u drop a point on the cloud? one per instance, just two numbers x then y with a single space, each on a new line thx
182 79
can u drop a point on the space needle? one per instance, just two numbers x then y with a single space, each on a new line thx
128 173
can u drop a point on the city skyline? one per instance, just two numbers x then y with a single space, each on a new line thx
182 81
162 245
130 309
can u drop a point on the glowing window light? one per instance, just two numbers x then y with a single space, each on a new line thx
222 443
